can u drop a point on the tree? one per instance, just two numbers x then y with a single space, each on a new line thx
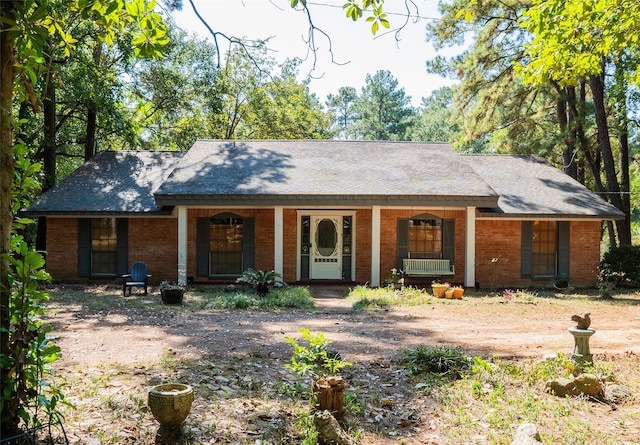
341 108
575 41
27 27
382 111
256 102
435 119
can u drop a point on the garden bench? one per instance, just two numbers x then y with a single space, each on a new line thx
427 267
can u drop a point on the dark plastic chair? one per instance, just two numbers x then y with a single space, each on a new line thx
137 278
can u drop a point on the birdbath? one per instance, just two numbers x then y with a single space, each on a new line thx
581 353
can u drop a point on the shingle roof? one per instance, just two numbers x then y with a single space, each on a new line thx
114 182
323 173
530 187
289 172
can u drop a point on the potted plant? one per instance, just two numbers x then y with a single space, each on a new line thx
322 366
458 291
171 293
560 281
395 279
439 288
261 280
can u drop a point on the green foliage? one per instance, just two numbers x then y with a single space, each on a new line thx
261 277
30 385
620 265
363 297
314 359
287 297
442 360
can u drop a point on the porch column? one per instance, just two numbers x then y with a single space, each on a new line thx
182 244
278 239
470 248
375 246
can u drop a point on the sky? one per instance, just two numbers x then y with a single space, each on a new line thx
356 52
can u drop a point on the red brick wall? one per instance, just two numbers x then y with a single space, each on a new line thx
290 241
498 254
155 241
585 252
62 249
151 240
363 246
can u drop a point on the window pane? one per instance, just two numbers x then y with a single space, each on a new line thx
425 238
225 246
103 246
545 248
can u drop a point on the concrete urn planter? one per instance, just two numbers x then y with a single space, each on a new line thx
171 403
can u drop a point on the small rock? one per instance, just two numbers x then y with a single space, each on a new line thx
527 434
617 392
584 384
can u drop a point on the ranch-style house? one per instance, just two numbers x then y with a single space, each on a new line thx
323 211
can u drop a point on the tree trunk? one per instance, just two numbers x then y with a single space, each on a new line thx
8 426
330 395
622 123
597 90
92 115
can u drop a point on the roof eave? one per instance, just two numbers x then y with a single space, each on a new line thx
324 200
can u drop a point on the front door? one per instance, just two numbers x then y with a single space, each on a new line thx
326 248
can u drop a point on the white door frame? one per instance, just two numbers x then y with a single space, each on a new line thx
319 213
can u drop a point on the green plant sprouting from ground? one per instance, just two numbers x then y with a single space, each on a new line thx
314 360
30 384
363 297
441 360
286 297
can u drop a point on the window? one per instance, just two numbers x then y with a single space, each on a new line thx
225 245
545 248
103 246
425 238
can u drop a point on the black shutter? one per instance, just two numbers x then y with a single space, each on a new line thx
563 247
449 239
122 246
248 243
402 247
84 247
203 226
526 244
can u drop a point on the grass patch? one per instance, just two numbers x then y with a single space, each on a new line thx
288 297
363 297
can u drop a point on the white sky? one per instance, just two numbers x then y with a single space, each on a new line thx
359 52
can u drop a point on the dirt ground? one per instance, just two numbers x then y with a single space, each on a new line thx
493 327
111 356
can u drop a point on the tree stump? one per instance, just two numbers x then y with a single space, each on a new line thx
330 394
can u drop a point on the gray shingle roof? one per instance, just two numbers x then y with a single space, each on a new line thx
529 187
288 172
323 173
114 182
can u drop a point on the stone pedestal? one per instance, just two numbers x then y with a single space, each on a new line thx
581 354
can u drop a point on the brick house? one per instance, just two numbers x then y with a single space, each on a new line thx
323 211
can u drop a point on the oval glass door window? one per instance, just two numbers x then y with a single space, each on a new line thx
326 237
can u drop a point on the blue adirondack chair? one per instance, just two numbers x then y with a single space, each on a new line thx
137 278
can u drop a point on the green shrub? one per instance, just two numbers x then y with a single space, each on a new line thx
621 265
442 360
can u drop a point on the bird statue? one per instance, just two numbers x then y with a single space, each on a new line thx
582 322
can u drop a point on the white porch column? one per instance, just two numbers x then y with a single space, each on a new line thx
278 239
182 244
375 246
470 248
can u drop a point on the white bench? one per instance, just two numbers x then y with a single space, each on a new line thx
424 267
